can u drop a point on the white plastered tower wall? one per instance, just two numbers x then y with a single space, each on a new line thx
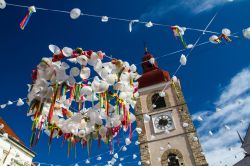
180 140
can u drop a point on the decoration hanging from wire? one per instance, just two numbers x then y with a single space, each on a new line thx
26 19
101 108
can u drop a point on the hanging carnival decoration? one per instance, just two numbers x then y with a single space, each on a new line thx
179 32
224 35
2 4
64 102
75 13
246 33
26 19
131 24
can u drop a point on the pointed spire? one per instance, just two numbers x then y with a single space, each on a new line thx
241 140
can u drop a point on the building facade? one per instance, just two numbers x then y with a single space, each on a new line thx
169 138
13 152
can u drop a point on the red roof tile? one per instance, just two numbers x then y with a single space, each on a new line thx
10 132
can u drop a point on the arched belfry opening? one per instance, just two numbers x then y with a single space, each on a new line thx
158 101
172 157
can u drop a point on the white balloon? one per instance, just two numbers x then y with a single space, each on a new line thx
67 52
82 60
162 94
127 141
175 79
152 61
2 4
20 102
75 13
105 19
74 71
71 81
180 32
86 90
246 33
183 60
195 139
93 59
54 49
85 73
98 66
124 148
116 156
87 161
226 31
146 118
185 125
139 130
214 39
133 68
134 156
189 46
137 143
3 106
99 158
149 24
111 79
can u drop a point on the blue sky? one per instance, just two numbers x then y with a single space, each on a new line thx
208 80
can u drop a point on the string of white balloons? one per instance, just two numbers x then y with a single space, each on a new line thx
76 13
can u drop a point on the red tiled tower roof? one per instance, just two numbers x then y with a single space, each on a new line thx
152 74
10 132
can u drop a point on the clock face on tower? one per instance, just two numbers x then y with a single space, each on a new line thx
162 122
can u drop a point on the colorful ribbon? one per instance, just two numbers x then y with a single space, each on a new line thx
26 19
176 30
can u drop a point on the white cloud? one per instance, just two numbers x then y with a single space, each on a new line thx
163 7
234 102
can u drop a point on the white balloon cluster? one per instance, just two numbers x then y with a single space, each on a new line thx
103 104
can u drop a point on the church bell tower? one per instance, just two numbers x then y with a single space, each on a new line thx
169 138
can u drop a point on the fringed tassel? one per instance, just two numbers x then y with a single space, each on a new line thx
225 37
107 103
69 142
26 19
99 141
53 103
50 137
175 29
